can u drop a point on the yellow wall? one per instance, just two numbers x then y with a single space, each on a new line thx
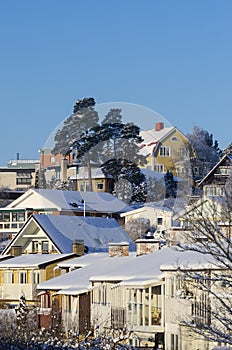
49 272
1 277
175 158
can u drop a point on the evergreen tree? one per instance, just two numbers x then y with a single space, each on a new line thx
76 125
120 151
170 184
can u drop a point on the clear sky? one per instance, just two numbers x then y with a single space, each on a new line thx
171 56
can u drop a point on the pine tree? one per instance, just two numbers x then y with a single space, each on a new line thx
170 184
76 125
120 152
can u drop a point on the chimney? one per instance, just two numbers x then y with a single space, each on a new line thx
146 245
63 169
78 246
16 250
159 126
119 249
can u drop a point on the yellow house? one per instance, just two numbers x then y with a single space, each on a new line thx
21 274
166 148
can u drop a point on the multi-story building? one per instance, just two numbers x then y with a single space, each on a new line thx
22 274
141 296
19 174
58 202
166 148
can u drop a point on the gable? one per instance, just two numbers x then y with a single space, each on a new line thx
222 170
32 199
32 238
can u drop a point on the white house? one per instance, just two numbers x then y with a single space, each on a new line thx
63 234
13 216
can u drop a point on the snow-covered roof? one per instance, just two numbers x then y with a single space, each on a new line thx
137 269
97 232
149 206
32 260
96 173
190 260
151 139
71 200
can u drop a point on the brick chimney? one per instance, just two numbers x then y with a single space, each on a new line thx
146 245
16 250
159 126
119 249
78 246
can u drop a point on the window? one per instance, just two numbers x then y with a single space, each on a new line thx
5 217
23 277
18 217
35 246
36 277
45 247
174 341
21 217
23 181
214 190
118 318
174 138
9 277
159 168
165 151
52 159
100 185
225 171
156 305
159 221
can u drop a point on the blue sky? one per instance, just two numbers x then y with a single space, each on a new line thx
171 56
